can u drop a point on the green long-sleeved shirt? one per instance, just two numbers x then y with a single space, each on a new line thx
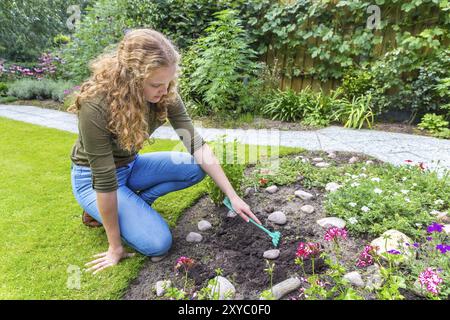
97 147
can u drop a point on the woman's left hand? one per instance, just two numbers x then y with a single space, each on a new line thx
242 209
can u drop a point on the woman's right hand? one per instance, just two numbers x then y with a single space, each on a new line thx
108 259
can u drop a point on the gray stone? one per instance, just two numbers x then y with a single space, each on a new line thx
278 217
317 159
369 162
204 225
158 258
332 186
307 209
194 237
271 254
224 288
354 278
231 214
353 160
304 195
331 222
161 287
283 288
332 155
322 164
272 189
247 191
392 240
447 228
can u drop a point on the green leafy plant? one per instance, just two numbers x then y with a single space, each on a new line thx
355 113
3 89
234 170
221 62
433 123
268 294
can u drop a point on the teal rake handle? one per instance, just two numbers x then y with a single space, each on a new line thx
274 235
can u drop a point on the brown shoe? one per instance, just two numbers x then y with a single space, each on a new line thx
89 221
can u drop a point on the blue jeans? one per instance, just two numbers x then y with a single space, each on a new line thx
140 183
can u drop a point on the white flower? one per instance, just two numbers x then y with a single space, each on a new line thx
363 175
395 193
435 212
352 204
414 184
347 174
404 179
407 200
363 168
404 191
365 209
355 184
353 220
439 202
354 176
376 179
418 224
378 191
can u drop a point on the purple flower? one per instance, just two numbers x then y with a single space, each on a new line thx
429 238
394 251
443 248
435 227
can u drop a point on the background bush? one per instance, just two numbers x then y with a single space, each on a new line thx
39 89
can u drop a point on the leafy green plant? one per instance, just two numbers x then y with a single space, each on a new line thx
3 89
433 123
220 62
234 170
355 113
268 294
39 89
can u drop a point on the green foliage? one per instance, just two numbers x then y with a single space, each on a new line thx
218 65
39 89
285 106
387 197
433 123
3 89
28 27
355 113
356 82
234 170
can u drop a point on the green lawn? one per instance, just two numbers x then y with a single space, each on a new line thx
40 227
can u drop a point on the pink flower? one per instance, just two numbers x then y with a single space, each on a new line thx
365 258
334 233
408 161
430 279
185 262
306 250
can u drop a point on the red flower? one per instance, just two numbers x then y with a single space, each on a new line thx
263 181
185 262
408 161
334 233
305 250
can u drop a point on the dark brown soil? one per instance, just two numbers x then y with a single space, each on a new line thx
237 247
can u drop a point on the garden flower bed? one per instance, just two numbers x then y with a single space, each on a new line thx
320 255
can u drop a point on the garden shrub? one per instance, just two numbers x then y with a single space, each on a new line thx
39 89
217 66
3 89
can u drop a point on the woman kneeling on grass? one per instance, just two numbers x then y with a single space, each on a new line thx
132 92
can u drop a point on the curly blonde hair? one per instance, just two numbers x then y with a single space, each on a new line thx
119 76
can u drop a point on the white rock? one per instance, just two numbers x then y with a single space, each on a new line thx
224 287
395 241
161 287
307 208
247 191
354 278
317 159
283 288
231 214
278 217
322 164
204 225
332 186
447 228
303 195
331 222
331 155
158 258
194 237
369 162
271 254
353 160
272 189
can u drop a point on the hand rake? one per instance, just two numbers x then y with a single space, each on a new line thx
276 236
